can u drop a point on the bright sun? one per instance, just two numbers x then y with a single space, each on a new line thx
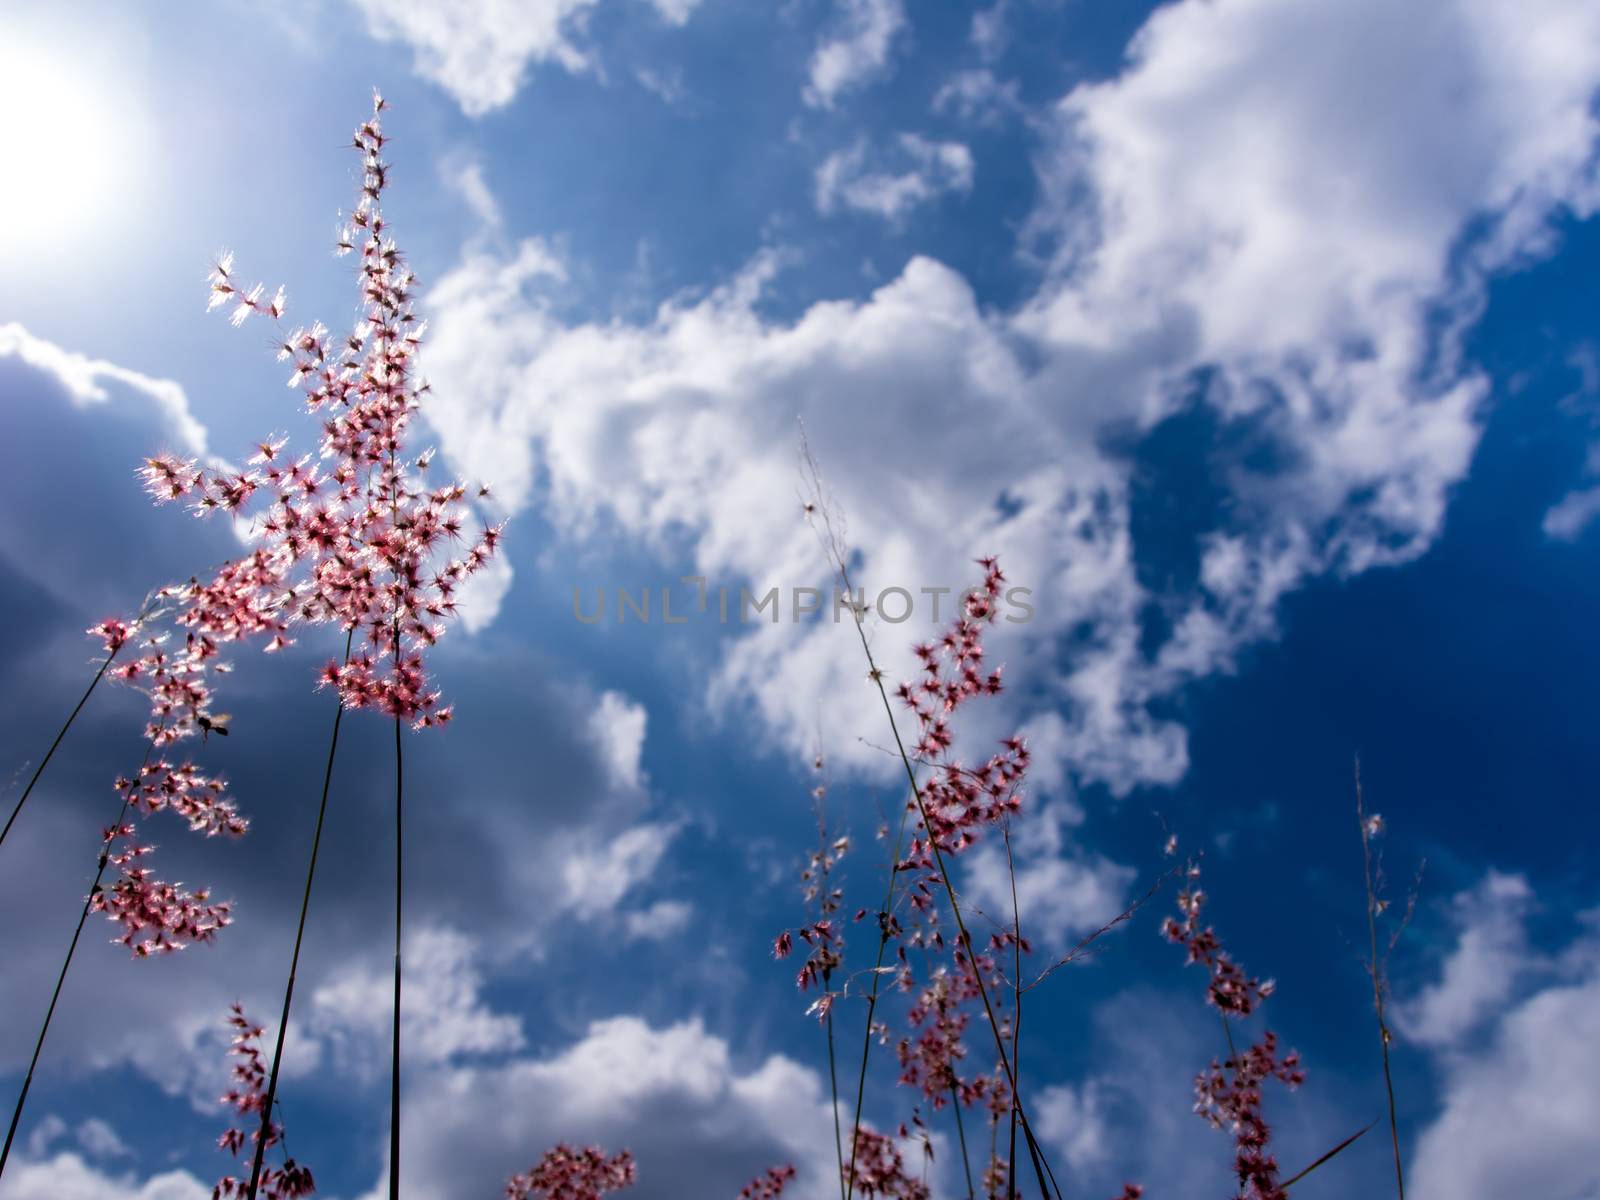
59 146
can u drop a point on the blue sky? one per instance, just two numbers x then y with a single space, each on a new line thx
1256 338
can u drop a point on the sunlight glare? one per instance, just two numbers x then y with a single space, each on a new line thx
60 146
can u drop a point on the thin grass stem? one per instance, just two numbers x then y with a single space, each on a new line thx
1376 971
105 665
1016 1016
961 1135
299 935
833 1083
399 891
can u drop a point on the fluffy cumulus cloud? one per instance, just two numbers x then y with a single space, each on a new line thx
662 920
85 381
67 1176
1226 228
618 728
855 51
1517 1035
47 1169
915 172
88 422
1489 959
1062 890
443 1018
674 1095
1072 1119
480 50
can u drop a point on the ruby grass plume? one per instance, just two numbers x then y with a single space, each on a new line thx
251 1101
1228 1094
878 1169
565 1173
769 1186
357 537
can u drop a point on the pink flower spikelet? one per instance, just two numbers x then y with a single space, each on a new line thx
928 1058
769 1186
247 1098
567 1174
824 936
1228 1093
880 1171
113 633
156 917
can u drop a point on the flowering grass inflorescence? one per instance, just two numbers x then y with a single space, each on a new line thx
1228 1093
248 1098
356 536
568 1174
769 1186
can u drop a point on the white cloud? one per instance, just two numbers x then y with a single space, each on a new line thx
662 920
978 97
480 50
675 12
1071 1119
84 380
466 178
480 598
989 34
90 421
844 180
1572 514
1479 976
1061 891
667 83
1519 1113
443 1016
599 872
618 729
99 1140
673 1096
856 52
1297 251
66 1176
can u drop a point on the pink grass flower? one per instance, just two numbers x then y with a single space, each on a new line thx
568 1174
359 538
880 1170
930 1057
959 801
247 1098
1228 1093
113 633
156 917
769 1186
